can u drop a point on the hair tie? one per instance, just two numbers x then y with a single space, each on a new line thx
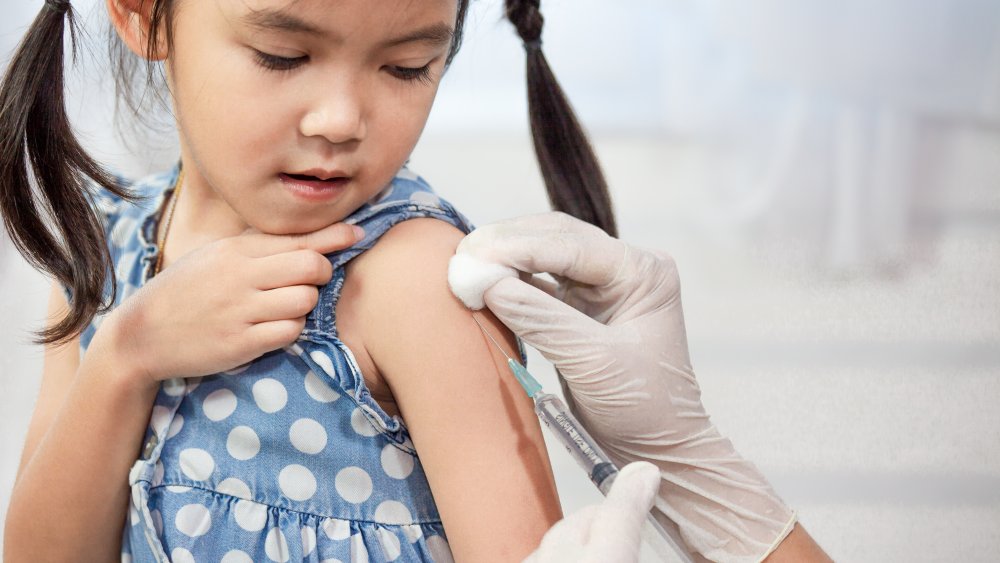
60 6
533 45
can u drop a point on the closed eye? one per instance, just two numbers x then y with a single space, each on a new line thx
423 74
274 62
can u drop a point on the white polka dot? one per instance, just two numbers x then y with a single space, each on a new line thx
242 443
178 489
275 546
270 395
337 529
250 515
308 436
440 550
319 390
126 558
126 266
197 464
353 484
175 426
412 533
393 512
396 463
236 556
425 198
297 482
124 227
159 419
181 555
174 387
234 487
219 404
308 540
359 552
360 423
331 561
193 520
323 361
390 544
133 515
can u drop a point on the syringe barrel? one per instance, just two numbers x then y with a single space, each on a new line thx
571 434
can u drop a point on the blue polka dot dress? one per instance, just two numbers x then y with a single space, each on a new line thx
286 458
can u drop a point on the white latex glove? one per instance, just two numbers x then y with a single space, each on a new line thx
606 532
616 335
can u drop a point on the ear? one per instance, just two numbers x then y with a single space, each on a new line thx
132 19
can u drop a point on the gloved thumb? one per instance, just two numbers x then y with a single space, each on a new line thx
621 516
561 333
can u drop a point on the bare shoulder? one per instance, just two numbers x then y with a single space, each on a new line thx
406 272
403 276
423 244
479 440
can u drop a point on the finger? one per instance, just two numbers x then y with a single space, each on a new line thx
283 303
298 267
567 539
548 286
331 238
550 242
558 331
271 335
618 526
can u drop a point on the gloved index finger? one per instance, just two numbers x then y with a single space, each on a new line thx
555 243
328 239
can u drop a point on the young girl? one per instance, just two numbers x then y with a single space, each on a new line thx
237 389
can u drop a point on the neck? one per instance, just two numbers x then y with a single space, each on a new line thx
201 215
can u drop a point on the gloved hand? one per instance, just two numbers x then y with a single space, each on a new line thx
606 532
614 329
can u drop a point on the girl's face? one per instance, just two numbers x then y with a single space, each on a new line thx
268 90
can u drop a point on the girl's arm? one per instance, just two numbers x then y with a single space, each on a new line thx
71 494
473 426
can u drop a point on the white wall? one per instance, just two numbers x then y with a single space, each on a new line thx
826 175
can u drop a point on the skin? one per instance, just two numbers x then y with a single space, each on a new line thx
339 104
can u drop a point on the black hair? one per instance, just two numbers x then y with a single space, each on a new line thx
573 177
37 146
46 177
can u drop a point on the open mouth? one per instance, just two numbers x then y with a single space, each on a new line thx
305 178
314 188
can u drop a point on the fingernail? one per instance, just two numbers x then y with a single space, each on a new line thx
359 232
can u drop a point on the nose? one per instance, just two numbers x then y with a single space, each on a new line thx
337 116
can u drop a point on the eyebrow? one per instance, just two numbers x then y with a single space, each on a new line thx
435 34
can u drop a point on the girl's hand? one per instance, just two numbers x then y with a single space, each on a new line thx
225 303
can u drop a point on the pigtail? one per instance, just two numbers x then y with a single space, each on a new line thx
37 146
573 177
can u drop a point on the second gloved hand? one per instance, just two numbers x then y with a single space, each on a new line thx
614 329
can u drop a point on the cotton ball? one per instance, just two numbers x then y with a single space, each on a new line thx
470 277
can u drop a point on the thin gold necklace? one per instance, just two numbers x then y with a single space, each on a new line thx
170 217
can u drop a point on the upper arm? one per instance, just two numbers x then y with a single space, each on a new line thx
60 365
473 426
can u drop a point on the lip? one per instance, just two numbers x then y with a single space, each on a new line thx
332 185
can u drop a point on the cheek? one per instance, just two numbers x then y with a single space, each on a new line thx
220 104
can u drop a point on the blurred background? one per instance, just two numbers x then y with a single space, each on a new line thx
827 176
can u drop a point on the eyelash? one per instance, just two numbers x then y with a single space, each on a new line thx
280 64
285 64
422 74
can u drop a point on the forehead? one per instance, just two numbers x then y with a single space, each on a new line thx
339 19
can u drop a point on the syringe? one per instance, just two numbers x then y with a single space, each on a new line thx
561 423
